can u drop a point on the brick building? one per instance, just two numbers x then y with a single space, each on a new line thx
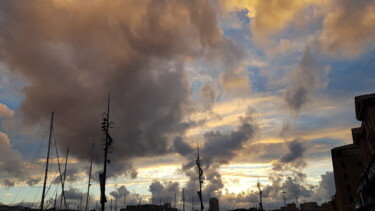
346 170
364 138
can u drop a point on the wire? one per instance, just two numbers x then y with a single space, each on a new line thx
28 169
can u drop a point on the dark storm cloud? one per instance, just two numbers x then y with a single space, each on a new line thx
8 183
165 192
296 150
219 148
181 147
292 160
306 78
120 192
33 181
74 53
72 175
74 194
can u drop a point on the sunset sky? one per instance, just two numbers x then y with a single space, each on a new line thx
265 87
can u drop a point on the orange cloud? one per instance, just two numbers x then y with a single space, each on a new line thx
349 28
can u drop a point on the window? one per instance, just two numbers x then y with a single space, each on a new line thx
342 164
350 199
348 188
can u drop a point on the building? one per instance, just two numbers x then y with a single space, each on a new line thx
214 204
309 206
329 206
149 207
289 207
346 170
364 138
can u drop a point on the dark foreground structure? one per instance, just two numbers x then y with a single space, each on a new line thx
364 138
354 165
149 207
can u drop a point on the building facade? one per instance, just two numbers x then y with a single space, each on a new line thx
214 204
346 169
364 138
309 206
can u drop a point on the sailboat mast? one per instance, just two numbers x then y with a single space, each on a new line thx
63 183
47 162
88 186
61 176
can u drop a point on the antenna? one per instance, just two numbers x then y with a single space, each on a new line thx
297 201
125 201
192 203
183 199
106 125
200 174
260 195
284 197
116 203
80 203
175 200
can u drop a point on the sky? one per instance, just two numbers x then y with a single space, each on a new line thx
265 88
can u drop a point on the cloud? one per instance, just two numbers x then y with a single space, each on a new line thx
165 192
73 53
8 183
11 165
73 174
74 194
207 96
287 175
268 17
296 150
291 160
294 186
219 148
33 181
348 28
5 111
181 147
326 188
306 78
120 192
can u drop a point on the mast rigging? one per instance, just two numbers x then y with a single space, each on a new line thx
47 162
